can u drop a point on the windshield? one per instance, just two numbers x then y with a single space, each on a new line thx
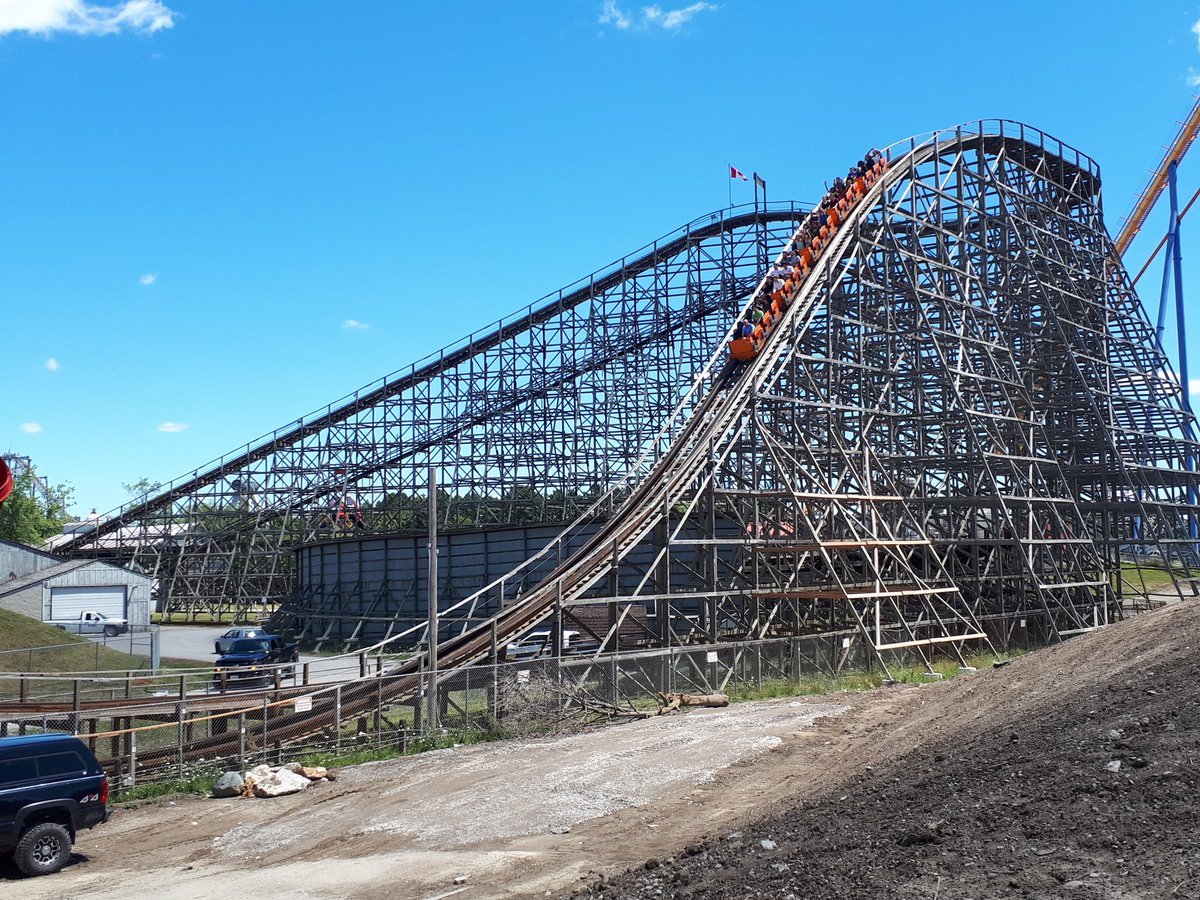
245 645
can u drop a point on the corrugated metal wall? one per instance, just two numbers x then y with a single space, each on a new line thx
378 585
98 574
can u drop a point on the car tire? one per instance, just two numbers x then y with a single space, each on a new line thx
111 631
43 849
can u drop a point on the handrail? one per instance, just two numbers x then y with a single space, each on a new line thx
1158 179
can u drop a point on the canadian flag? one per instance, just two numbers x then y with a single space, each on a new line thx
734 173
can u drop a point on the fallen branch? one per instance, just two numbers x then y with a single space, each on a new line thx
674 701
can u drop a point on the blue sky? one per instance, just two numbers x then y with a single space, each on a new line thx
217 216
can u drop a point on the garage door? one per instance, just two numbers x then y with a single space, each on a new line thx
69 602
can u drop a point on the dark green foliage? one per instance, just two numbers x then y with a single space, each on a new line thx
28 518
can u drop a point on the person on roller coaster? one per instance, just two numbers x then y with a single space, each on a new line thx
787 269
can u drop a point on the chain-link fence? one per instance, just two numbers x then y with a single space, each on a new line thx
97 654
179 726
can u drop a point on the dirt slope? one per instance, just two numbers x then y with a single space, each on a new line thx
1072 772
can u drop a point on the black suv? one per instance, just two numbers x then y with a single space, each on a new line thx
50 787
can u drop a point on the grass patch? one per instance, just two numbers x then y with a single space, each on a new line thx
34 646
199 785
414 744
819 685
1148 578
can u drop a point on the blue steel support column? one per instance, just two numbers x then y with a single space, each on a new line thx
1160 325
1181 330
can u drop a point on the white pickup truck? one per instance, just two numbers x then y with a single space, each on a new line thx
91 622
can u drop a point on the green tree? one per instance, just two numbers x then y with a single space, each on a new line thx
29 519
142 488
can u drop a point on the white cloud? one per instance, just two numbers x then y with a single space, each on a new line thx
355 325
52 364
612 15
30 427
652 16
45 17
673 18
1194 385
1196 31
172 427
148 279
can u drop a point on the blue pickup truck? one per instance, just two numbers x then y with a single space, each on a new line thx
51 787
252 659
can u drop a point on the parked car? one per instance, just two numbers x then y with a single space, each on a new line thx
252 659
537 643
51 787
92 622
224 641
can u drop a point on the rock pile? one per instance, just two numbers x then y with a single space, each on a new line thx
270 781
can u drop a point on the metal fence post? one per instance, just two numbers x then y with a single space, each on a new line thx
378 710
337 719
132 757
180 711
242 742
75 706
265 753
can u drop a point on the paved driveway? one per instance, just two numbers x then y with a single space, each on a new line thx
196 642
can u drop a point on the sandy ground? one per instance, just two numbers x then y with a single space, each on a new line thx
516 818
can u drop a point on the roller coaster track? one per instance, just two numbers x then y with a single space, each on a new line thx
1015 453
692 436
687 455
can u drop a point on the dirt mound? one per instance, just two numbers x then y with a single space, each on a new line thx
1071 772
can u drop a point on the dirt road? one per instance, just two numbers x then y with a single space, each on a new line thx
516 818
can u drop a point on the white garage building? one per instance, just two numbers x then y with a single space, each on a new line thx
49 587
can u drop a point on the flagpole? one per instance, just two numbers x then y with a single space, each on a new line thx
730 181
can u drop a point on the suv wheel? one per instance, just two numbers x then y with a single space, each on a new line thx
43 849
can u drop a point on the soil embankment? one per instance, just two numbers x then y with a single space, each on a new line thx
1071 772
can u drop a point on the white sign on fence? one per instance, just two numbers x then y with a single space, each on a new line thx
712 656
304 704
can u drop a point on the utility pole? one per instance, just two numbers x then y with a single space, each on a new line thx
431 693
